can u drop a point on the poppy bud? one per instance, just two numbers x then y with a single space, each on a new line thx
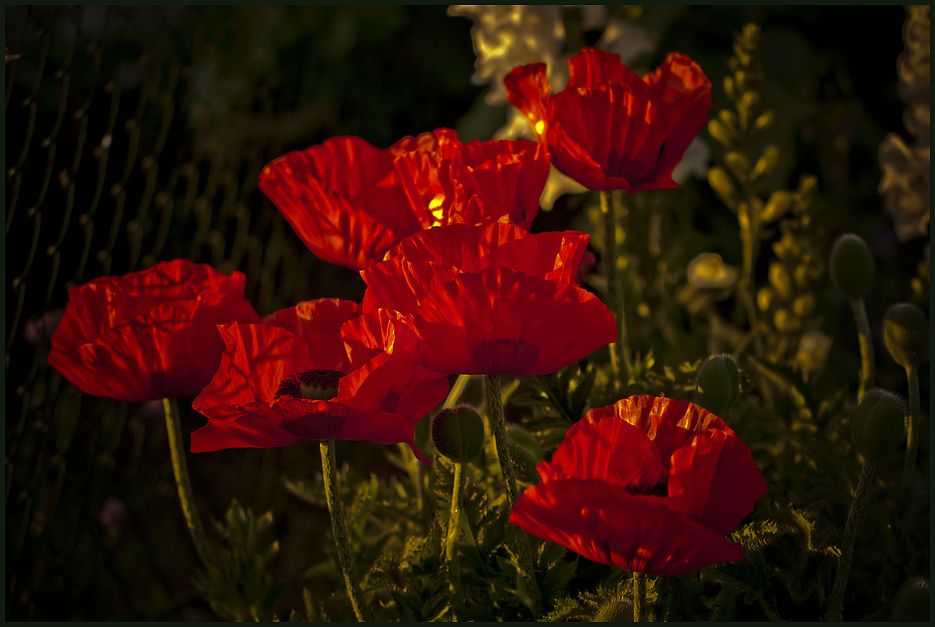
458 433
852 266
906 333
912 601
718 384
525 453
615 611
879 423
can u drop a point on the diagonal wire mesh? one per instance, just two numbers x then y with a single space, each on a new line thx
120 152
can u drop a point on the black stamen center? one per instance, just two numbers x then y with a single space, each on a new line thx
316 385
660 489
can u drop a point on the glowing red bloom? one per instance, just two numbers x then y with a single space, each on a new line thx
492 299
149 334
289 380
349 202
609 128
649 484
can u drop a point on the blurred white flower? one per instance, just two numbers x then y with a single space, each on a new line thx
695 162
506 36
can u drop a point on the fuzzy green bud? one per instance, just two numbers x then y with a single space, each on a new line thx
615 611
879 423
458 433
852 266
906 333
912 601
525 453
718 383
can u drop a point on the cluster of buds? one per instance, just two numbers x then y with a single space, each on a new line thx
906 167
789 299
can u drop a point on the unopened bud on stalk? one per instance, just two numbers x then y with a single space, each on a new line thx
879 423
912 601
525 453
458 433
718 383
615 611
852 266
906 333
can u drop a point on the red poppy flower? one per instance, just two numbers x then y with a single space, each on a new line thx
289 379
492 299
149 334
609 128
349 201
649 484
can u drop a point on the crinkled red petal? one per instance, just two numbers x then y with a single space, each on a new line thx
479 323
319 323
606 523
343 198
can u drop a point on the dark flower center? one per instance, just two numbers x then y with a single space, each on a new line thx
315 385
660 489
506 357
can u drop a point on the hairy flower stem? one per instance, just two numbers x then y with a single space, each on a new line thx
329 476
618 349
498 428
639 597
912 434
835 601
183 480
451 539
868 369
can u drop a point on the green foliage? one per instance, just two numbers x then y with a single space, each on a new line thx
236 583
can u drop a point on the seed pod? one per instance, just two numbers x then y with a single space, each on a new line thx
879 423
615 611
852 266
718 384
912 601
906 334
458 433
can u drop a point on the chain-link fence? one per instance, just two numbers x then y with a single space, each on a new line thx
135 135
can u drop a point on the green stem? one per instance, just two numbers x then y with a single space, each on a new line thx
451 539
639 597
183 480
329 476
835 601
498 428
912 435
868 370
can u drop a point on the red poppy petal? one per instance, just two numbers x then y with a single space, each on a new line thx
480 324
290 420
319 323
394 384
715 481
593 67
648 412
613 451
400 285
125 338
458 245
256 359
607 524
554 256
528 89
505 178
343 198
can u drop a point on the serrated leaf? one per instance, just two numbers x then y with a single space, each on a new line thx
311 494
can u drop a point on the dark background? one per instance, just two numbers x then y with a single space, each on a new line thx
135 134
